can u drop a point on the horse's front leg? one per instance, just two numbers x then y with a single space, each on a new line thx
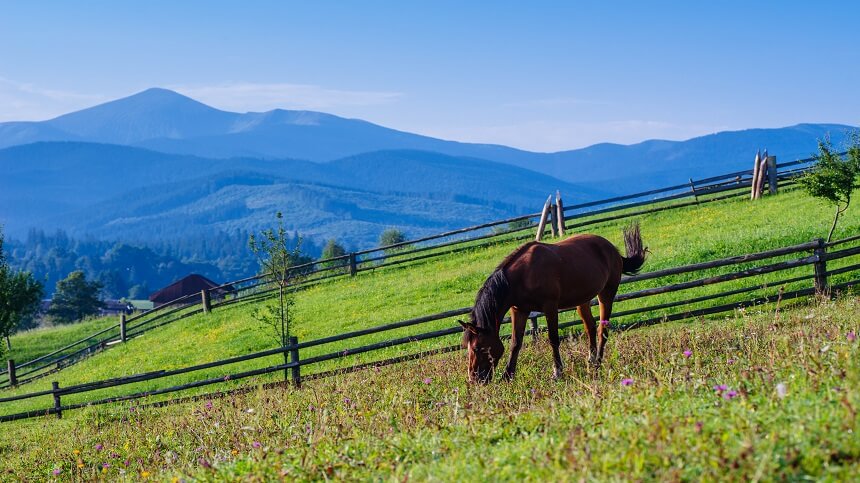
552 331
518 321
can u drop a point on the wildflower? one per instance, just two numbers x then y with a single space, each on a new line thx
99 447
851 336
208 405
730 361
604 323
626 382
427 380
533 391
77 451
347 400
105 465
699 426
688 353
80 465
256 444
114 455
126 463
720 388
780 390
144 474
57 471
234 452
250 410
730 395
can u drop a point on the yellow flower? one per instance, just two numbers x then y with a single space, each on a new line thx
77 451
175 479
144 474
80 465
235 452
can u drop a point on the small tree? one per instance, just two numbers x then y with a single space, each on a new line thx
20 294
276 258
392 236
75 298
834 177
332 249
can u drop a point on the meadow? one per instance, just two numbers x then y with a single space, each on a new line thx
303 447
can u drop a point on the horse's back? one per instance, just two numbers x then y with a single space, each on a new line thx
573 270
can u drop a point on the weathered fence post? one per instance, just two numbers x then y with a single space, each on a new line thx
205 299
352 267
820 267
762 173
13 379
755 175
693 190
559 207
55 388
553 228
534 329
543 216
294 359
122 336
771 174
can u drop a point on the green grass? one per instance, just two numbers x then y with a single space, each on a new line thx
31 344
795 377
675 237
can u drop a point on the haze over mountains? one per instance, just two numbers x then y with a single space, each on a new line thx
159 164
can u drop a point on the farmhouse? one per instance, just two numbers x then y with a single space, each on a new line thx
189 285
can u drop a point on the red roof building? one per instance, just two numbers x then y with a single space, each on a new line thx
192 284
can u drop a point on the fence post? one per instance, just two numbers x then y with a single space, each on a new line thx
771 174
693 190
352 266
55 388
294 359
122 336
820 267
755 175
205 299
552 220
559 207
543 216
13 379
534 329
762 173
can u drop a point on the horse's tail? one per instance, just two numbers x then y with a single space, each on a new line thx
635 251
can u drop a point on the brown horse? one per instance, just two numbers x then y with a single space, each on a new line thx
548 277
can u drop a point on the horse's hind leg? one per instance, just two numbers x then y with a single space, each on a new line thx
590 331
552 332
605 298
518 320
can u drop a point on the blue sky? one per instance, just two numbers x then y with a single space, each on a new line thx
538 75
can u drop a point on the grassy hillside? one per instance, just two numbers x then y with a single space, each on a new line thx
761 395
675 237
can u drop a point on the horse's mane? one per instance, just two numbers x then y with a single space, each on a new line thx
494 292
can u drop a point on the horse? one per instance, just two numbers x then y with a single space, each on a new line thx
548 277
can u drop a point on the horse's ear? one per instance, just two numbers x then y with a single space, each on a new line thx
469 326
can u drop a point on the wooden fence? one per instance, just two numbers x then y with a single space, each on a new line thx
253 289
815 253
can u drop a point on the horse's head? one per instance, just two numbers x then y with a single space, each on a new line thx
485 350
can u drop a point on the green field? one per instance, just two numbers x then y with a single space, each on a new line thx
675 237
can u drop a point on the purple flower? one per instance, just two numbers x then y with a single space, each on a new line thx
626 382
99 447
720 388
688 353
256 444
208 405
730 395
427 380
851 336
699 426
57 471
347 400
604 323
730 361
105 465
114 455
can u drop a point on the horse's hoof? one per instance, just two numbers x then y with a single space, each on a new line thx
508 376
556 374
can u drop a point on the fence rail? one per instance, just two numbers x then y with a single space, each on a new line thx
814 253
251 289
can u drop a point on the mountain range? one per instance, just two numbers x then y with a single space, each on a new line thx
158 164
